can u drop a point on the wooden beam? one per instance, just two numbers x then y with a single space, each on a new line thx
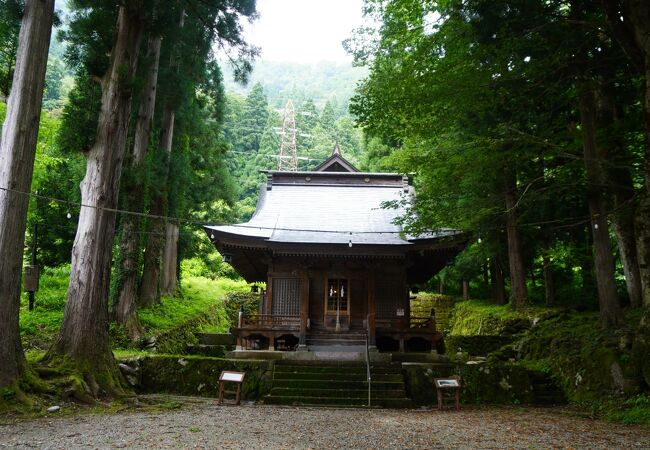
371 308
304 307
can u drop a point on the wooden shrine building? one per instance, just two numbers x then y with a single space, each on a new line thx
337 268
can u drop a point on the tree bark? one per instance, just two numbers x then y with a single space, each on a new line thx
17 153
611 315
150 287
498 283
626 238
519 291
126 308
169 281
630 23
83 337
151 284
465 287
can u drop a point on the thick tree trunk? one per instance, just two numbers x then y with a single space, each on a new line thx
519 292
150 287
126 311
642 225
610 312
630 24
169 281
17 152
83 337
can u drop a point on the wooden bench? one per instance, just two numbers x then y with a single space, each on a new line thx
230 377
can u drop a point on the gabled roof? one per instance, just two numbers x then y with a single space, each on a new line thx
329 208
336 163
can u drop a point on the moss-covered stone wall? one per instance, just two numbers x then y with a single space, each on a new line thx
499 383
199 375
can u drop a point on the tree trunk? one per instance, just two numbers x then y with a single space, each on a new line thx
83 337
169 281
625 236
498 284
630 24
642 225
150 287
126 311
611 315
465 286
17 153
519 292
549 282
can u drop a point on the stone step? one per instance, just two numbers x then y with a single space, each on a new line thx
388 377
321 367
338 401
349 393
336 347
339 384
545 390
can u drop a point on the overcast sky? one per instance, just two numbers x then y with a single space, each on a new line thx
304 31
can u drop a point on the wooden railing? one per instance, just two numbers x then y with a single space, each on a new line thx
269 321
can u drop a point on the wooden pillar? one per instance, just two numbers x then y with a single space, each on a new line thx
304 309
269 295
371 308
240 321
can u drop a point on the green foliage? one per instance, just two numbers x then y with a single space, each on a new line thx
460 91
478 318
38 327
198 295
10 15
242 300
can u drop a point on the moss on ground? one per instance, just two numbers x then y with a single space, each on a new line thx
489 383
199 375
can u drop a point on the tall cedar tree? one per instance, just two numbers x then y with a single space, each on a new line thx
17 152
83 336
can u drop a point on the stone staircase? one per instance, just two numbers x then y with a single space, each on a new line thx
344 384
545 391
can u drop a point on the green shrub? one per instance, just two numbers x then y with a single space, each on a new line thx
234 301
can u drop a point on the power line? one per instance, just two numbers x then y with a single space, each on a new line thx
561 223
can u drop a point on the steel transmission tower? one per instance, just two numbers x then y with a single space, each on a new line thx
288 159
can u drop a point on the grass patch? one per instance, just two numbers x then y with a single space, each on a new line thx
482 318
198 294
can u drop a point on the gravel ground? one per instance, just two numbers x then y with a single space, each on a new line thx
201 424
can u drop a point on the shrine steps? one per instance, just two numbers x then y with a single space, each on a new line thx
342 384
545 390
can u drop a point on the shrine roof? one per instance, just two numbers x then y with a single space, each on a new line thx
330 208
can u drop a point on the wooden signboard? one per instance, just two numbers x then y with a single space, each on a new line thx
448 385
231 377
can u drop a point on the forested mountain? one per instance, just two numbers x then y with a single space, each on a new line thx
321 82
254 117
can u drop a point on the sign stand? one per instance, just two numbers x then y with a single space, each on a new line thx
230 377
448 385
